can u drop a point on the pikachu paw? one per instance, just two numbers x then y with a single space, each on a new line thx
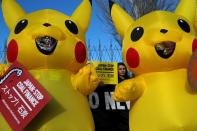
86 80
130 89
123 91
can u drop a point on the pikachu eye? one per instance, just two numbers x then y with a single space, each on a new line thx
72 27
20 26
137 33
184 25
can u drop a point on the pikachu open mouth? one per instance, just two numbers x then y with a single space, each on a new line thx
46 44
165 49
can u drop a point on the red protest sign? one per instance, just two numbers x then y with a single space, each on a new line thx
22 97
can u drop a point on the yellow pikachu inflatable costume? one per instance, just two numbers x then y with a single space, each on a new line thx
195 22
157 48
51 46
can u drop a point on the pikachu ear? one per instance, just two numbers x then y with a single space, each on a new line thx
120 18
82 14
12 12
187 9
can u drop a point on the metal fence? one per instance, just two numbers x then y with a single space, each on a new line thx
108 52
2 56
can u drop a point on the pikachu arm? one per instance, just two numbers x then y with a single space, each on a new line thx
129 90
3 68
86 80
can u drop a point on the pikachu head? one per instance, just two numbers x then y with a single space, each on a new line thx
47 38
158 41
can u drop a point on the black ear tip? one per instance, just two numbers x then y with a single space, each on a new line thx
110 4
90 2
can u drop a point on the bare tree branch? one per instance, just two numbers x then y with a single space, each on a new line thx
135 8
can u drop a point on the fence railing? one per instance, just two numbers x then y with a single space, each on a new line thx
2 56
105 53
96 52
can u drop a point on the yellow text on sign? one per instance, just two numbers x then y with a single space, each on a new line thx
107 71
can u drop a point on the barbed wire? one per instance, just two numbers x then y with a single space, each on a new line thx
109 52
104 53
2 57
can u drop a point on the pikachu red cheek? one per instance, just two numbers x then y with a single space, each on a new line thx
80 52
132 58
12 51
194 45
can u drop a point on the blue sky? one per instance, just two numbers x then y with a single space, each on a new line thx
65 6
